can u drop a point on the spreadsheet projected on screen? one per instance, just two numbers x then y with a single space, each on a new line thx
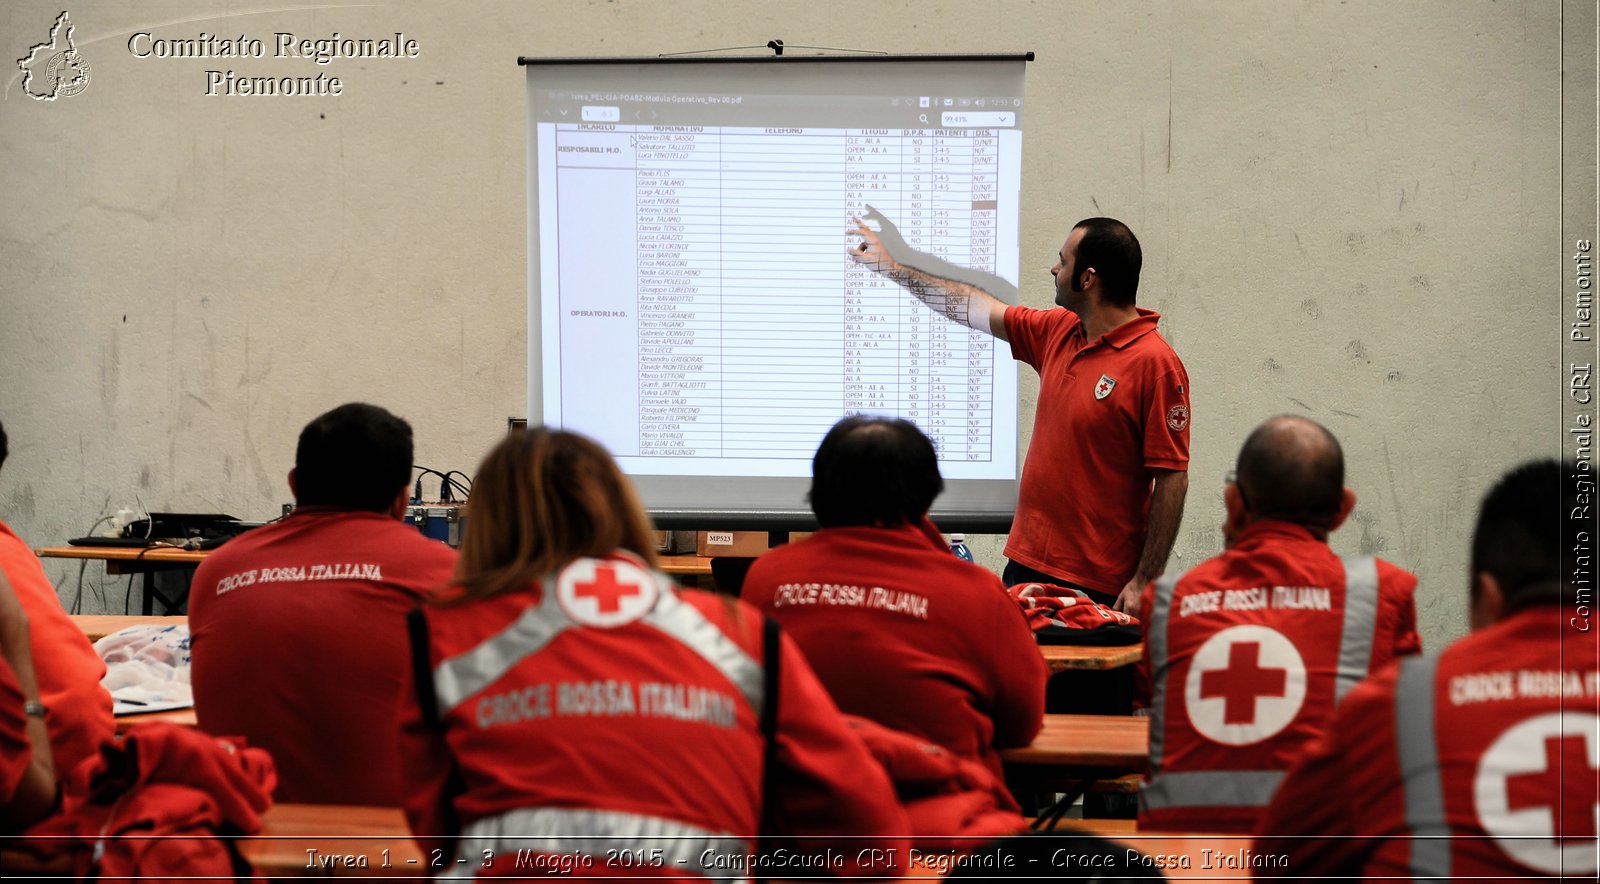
691 303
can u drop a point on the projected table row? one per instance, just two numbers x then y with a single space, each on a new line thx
771 389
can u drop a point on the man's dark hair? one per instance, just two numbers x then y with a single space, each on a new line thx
357 456
4 450
1113 251
873 471
1292 468
1518 539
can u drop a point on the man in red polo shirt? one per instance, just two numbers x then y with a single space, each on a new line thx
1103 485
1481 762
78 709
299 636
1250 652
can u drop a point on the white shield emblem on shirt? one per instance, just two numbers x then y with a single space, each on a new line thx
1105 386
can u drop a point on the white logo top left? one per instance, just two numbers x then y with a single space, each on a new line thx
606 592
54 69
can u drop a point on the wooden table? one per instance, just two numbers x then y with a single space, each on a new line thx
1110 744
322 840
1070 754
98 626
118 558
1061 657
149 560
341 837
180 717
1182 856
125 560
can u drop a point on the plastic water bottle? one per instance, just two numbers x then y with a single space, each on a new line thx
958 545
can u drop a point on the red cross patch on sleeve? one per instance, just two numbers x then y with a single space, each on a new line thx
1178 417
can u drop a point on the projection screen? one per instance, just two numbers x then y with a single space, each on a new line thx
690 301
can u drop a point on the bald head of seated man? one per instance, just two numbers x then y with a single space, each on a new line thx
1249 653
1478 762
1294 470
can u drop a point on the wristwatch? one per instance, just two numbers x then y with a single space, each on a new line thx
34 708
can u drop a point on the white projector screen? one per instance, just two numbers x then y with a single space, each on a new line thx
690 301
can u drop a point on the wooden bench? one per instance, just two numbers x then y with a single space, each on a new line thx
300 841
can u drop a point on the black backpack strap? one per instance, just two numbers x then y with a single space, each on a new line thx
422 666
229 835
770 679
428 697
770 655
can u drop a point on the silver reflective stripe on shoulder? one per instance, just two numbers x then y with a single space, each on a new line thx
1212 788
679 619
1156 650
463 675
1420 779
1360 622
568 831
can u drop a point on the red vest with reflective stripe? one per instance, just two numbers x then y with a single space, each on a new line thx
606 690
1494 737
1248 654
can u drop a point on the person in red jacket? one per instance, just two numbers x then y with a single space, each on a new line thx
68 669
1480 761
299 626
575 710
1249 653
901 631
28 789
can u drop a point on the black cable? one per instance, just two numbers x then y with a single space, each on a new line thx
77 597
446 484
128 598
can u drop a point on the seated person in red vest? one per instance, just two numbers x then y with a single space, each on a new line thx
69 671
898 628
299 626
571 702
1249 653
1493 742
27 772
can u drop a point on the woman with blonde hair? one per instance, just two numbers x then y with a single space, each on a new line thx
576 712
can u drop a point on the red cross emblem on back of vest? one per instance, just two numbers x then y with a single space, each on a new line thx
1242 682
1564 756
605 593
605 589
1533 791
1245 684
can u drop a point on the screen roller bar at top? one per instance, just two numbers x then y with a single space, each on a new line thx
523 60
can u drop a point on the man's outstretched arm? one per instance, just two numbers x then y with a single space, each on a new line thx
960 302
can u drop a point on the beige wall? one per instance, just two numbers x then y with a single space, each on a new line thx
1351 211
